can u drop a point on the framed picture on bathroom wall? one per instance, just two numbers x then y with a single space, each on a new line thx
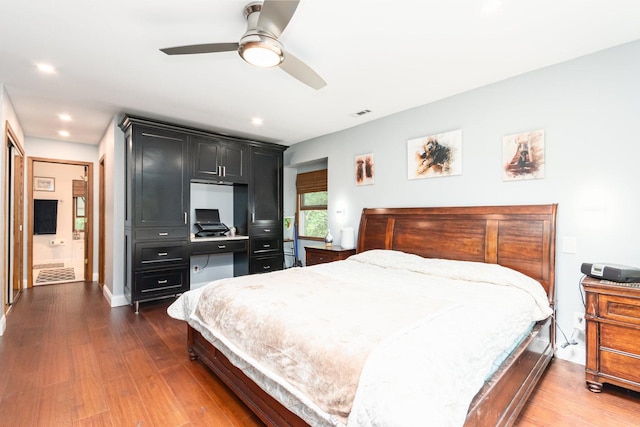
41 183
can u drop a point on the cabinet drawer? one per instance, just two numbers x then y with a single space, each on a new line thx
265 264
199 248
620 365
313 257
160 283
258 230
621 338
265 245
149 255
162 233
620 308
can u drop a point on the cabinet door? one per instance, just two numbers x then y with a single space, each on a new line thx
234 160
161 181
206 158
217 160
265 188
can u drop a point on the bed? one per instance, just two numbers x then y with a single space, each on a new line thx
517 242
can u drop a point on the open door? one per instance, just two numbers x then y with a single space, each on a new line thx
13 217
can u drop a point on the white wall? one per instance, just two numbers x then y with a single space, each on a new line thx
112 151
589 109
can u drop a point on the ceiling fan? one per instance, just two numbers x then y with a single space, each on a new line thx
259 45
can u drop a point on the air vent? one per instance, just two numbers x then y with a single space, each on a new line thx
360 113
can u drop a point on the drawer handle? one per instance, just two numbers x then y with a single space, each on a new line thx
266 267
222 246
163 234
266 245
162 254
267 230
162 282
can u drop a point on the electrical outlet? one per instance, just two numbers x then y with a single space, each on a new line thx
196 269
578 321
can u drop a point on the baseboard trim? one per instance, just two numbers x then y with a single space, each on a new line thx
3 324
114 301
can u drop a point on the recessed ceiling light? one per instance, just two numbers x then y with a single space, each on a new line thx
63 133
46 68
257 121
64 117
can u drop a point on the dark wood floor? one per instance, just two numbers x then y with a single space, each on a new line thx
68 359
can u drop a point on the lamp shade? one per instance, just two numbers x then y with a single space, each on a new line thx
347 238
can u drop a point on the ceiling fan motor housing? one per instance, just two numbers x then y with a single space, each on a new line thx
258 47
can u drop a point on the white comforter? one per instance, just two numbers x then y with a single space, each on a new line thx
428 366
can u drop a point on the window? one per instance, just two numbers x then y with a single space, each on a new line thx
312 204
79 215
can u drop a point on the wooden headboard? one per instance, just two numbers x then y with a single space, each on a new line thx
519 237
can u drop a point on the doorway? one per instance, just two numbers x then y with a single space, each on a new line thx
60 232
13 218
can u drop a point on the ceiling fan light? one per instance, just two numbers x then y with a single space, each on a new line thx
262 53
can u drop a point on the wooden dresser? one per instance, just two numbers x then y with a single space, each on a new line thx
321 254
612 334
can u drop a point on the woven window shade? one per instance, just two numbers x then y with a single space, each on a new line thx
79 188
311 182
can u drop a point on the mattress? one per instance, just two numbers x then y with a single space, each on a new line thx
383 338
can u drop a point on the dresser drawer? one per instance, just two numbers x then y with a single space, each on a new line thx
620 366
153 284
620 338
148 255
255 230
266 264
166 233
316 255
620 308
223 246
265 245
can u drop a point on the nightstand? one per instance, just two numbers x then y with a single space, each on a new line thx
321 254
612 334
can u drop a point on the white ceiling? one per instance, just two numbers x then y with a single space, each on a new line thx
382 55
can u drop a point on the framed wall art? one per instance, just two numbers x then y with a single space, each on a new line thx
435 155
41 183
364 169
523 156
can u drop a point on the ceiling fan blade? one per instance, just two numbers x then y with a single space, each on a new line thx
200 48
275 15
301 71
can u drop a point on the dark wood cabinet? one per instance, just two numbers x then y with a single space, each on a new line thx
162 160
220 161
160 175
322 254
265 189
156 225
612 334
264 207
